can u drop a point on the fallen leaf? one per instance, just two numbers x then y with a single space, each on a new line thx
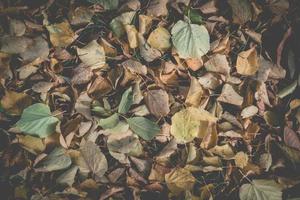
241 159
143 127
195 93
157 8
61 34
132 36
92 55
247 63
190 40
249 111
126 101
179 180
68 177
56 160
229 95
218 63
261 189
188 123
14 103
241 10
118 24
94 158
157 102
291 138
160 39
37 120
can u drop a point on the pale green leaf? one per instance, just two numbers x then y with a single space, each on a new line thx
126 101
261 190
68 177
107 4
94 158
143 127
287 90
190 123
56 160
37 120
109 122
190 40
118 24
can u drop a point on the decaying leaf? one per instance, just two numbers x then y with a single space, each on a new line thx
157 102
247 62
160 39
94 158
261 189
61 34
241 10
190 123
14 103
92 55
229 95
179 180
241 159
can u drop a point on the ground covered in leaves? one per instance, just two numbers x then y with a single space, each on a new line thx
149 99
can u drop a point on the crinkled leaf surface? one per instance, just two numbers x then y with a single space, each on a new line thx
94 158
187 123
261 190
37 120
190 40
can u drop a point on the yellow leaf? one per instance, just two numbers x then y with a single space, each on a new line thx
190 123
241 159
160 39
247 62
61 34
132 36
14 103
179 180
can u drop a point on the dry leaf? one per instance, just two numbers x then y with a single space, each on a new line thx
14 103
229 95
61 34
157 102
218 63
247 62
160 39
132 36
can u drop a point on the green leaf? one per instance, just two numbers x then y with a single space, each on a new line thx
193 15
94 158
107 4
67 178
287 90
37 120
190 40
56 160
109 122
126 101
118 23
143 127
261 190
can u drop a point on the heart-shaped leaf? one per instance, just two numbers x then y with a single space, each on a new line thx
261 190
37 120
190 40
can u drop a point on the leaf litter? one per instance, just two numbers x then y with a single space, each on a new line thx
156 99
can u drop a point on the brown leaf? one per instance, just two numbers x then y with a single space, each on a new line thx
157 102
247 62
291 138
229 95
61 34
218 63
14 103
